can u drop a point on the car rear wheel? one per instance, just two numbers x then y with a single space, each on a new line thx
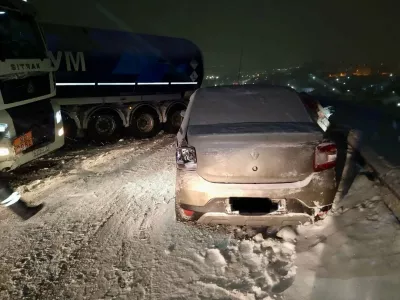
174 121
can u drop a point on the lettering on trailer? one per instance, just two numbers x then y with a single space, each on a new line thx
77 61
24 67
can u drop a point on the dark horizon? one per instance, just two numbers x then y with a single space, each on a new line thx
271 34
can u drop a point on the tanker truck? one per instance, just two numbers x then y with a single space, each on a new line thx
113 82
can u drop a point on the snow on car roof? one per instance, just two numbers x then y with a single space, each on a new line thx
245 104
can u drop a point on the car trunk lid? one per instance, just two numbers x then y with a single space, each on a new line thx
255 152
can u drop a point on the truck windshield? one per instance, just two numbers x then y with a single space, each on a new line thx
20 37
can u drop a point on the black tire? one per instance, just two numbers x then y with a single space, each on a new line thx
104 127
144 123
70 128
174 120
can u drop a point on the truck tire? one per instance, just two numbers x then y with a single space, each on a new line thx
174 120
70 128
145 123
104 127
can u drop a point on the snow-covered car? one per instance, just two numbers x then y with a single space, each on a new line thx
252 156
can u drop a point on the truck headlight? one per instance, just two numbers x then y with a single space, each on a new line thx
3 127
4 151
58 117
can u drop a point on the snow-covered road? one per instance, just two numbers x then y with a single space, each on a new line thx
108 232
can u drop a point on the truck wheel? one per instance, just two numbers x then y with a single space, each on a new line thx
145 123
174 120
70 128
104 128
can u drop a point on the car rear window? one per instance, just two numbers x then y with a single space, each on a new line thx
232 105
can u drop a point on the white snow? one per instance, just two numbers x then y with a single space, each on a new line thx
215 259
258 238
108 232
350 255
287 234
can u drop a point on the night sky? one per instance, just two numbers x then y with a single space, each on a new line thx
272 33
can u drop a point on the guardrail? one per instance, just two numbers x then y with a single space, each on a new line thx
387 174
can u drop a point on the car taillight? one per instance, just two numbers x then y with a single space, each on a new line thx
186 158
325 156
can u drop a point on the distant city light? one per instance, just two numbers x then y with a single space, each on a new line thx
344 82
391 75
333 89
348 91
217 77
337 79
393 92
398 104
348 77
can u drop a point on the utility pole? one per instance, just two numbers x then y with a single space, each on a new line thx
240 65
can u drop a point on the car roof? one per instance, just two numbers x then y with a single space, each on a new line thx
248 103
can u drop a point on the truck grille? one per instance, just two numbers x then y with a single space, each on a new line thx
17 90
37 117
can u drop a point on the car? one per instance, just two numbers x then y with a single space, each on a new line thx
252 155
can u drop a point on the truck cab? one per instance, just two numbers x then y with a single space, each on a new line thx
30 124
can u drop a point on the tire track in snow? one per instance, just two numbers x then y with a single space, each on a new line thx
109 260
81 228
119 221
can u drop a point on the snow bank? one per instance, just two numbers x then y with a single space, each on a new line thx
287 234
353 253
249 269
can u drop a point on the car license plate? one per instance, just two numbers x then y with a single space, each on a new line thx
23 142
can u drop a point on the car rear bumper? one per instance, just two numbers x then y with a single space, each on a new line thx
303 198
257 220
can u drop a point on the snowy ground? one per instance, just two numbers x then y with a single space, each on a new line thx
108 232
